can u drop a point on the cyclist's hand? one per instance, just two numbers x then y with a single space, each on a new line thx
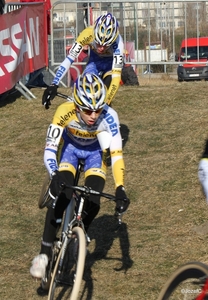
56 181
48 95
122 202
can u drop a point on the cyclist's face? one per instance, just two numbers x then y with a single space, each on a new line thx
89 116
101 48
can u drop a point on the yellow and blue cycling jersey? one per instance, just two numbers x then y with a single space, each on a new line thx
109 61
69 139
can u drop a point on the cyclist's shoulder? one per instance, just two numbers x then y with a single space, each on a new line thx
86 36
119 39
64 113
118 45
109 111
65 106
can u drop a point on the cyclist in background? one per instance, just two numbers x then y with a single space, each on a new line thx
71 136
203 171
105 57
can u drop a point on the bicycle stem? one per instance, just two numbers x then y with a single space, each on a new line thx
80 208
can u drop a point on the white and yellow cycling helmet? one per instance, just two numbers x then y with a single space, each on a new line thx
89 92
106 30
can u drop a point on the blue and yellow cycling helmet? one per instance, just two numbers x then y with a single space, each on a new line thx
89 92
106 30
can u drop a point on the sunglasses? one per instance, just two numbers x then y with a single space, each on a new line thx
89 112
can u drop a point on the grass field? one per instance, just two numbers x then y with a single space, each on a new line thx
164 125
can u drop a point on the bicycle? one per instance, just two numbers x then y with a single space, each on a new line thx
190 281
66 266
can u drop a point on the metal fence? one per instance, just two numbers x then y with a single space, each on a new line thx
154 28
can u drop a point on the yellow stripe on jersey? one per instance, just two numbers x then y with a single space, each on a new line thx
97 172
83 134
118 172
111 91
67 167
116 153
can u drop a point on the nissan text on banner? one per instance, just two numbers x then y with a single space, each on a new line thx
23 43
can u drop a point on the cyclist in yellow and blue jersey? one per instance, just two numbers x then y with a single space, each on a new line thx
71 136
105 58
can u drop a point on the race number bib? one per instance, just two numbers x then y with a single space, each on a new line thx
75 50
54 134
117 61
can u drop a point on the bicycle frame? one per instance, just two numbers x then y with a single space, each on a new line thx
204 291
68 221
70 232
70 218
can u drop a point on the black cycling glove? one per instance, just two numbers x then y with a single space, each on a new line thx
56 181
122 202
48 95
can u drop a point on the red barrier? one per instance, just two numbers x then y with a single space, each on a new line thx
23 44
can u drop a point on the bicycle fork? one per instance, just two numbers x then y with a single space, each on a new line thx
63 250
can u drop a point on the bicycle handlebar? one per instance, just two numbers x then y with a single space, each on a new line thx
85 191
88 191
64 96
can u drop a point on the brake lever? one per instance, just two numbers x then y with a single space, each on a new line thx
55 199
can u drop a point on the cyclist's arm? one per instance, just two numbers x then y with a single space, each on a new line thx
53 138
117 66
116 153
82 40
118 167
62 117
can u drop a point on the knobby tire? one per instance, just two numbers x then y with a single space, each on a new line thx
185 283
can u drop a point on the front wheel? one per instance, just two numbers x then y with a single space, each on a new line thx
68 271
187 282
